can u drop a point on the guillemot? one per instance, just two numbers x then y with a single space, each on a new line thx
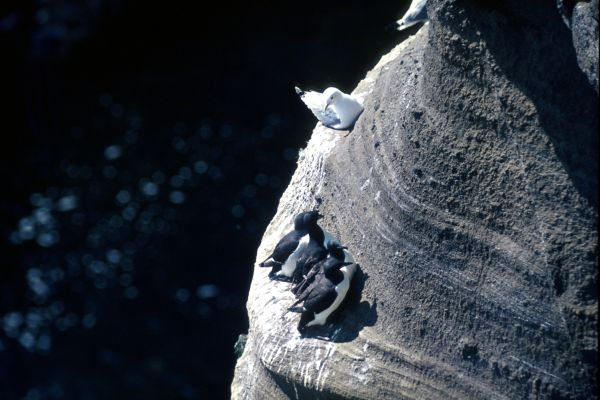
325 294
313 253
335 253
284 257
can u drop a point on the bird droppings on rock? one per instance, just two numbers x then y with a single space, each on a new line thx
475 247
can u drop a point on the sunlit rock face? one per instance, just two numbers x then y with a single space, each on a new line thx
584 25
467 191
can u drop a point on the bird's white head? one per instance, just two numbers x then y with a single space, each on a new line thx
331 95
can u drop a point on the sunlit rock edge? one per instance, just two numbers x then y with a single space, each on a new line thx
476 235
272 334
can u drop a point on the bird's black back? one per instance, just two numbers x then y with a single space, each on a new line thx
312 254
335 252
287 245
320 295
328 277
304 223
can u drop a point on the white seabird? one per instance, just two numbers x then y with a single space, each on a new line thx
417 12
333 108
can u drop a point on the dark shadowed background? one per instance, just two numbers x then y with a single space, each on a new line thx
144 150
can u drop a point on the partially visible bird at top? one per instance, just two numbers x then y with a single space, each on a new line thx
282 260
417 12
333 108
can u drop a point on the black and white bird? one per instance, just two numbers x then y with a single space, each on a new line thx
314 252
284 257
325 294
417 12
333 108
335 253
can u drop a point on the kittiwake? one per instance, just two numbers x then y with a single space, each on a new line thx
333 108
417 12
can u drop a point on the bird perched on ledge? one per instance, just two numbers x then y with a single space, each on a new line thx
333 108
325 294
284 257
417 12
314 252
335 253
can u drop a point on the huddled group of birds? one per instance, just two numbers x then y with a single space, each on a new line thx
338 110
319 268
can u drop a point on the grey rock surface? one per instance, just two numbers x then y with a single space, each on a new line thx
467 191
584 25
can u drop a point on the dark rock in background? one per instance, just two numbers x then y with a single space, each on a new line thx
467 191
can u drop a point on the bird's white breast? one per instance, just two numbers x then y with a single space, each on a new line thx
289 266
342 290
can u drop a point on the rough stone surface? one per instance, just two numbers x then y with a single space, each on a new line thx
467 191
584 24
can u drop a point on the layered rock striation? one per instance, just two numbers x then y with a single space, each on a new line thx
467 192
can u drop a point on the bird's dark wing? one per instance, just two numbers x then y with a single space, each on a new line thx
308 279
313 271
316 256
305 318
308 288
286 246
321 296
335 276
309 258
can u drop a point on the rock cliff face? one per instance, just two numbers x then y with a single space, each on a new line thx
584 23
467 191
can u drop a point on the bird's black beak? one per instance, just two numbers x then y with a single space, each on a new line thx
327 104
319 215
348 263
345 247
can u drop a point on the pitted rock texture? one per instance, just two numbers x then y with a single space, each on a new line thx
584 24
467 192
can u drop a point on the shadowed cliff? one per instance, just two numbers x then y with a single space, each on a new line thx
467 191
